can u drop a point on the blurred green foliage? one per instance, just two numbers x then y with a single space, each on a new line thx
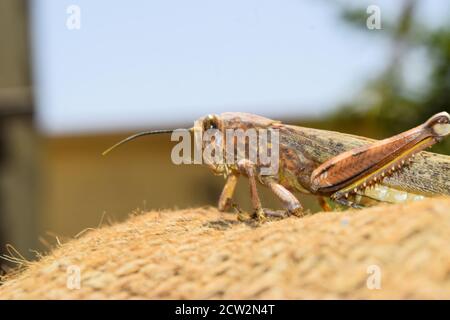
387 106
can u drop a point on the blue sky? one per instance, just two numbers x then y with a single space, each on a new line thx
151 64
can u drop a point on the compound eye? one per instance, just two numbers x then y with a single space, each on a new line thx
210 122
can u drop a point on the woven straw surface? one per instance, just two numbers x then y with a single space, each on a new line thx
201 253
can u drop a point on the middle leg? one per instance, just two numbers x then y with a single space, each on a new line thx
248 167
289 201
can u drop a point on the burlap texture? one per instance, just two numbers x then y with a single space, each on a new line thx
201 253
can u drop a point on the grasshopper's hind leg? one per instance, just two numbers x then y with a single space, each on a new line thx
323 204
353 171
343 199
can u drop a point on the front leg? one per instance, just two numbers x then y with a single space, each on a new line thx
227 192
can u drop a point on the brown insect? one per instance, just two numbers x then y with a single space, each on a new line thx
349 170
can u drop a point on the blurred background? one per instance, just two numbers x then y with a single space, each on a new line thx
76 76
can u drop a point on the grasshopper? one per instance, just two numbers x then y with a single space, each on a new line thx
348 170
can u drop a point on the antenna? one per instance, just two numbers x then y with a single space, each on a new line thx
134 136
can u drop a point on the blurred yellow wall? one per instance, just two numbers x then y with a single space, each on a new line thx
78 185
18 165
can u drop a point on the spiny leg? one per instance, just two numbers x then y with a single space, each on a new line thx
227 192
248 168
355 170
342 199
289 201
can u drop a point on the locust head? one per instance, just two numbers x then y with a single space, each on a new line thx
208 133
220 140
228 137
